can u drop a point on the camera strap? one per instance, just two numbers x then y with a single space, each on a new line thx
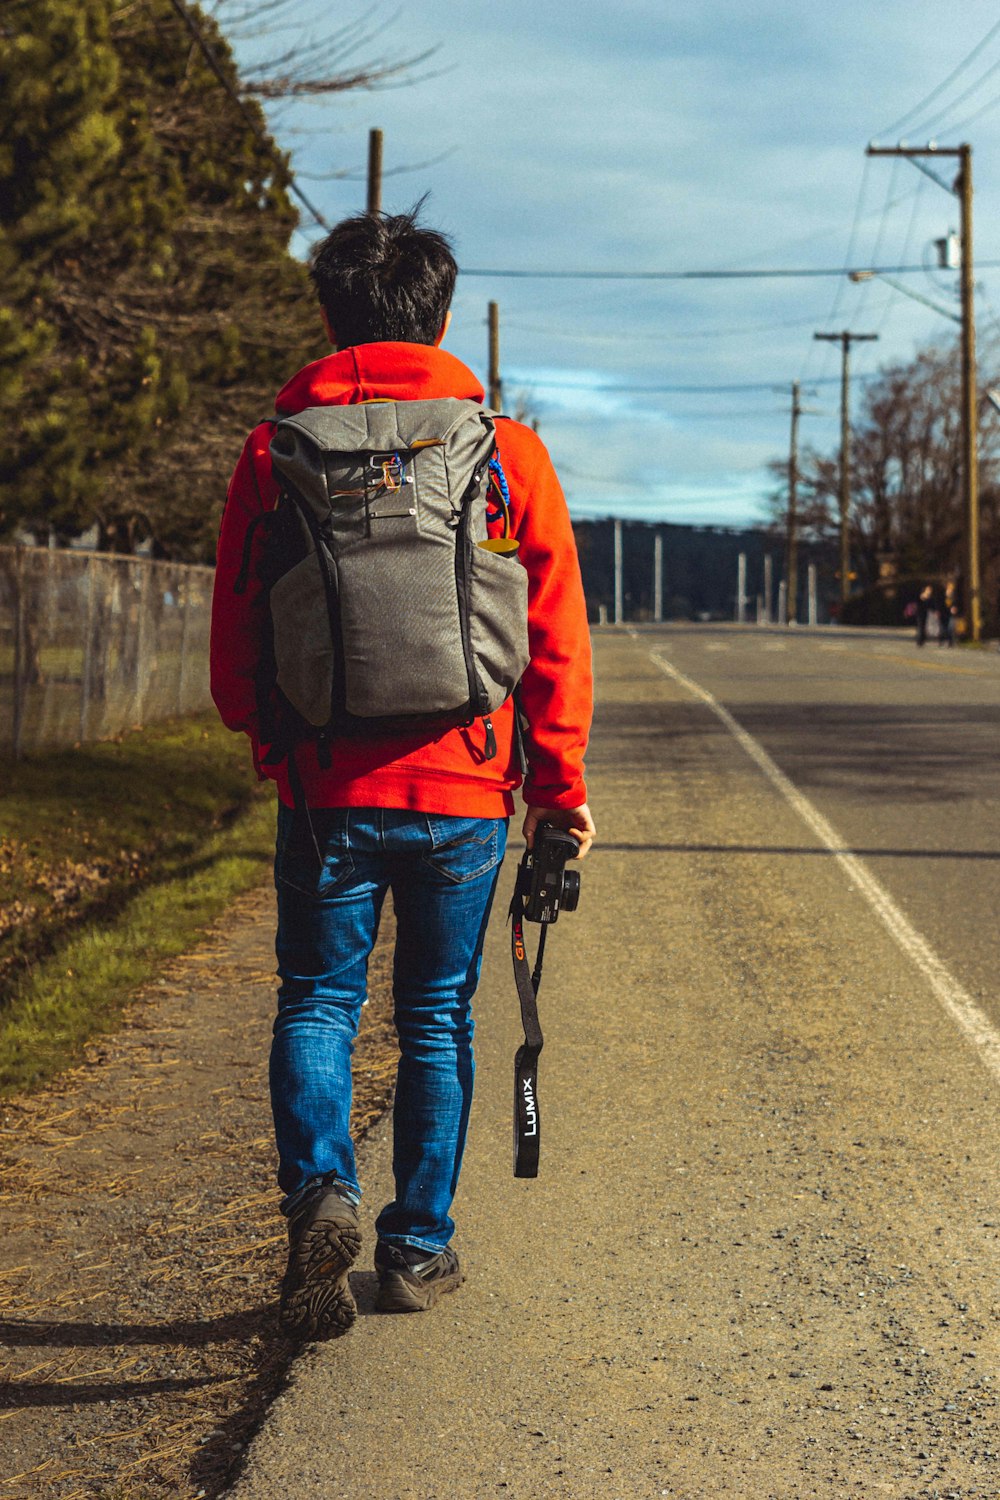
527 1116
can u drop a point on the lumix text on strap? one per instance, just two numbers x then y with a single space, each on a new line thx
543 888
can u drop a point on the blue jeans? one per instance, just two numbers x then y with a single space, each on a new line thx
442 872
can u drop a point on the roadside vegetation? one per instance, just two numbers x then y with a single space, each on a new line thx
114 856
907 508
152 304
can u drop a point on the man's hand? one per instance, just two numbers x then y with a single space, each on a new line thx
576 820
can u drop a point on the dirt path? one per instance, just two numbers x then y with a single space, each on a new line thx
141 1242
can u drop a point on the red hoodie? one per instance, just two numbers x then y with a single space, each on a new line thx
446 773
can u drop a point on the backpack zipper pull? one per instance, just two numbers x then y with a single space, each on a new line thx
491 739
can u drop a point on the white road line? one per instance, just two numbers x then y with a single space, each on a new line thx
970 1019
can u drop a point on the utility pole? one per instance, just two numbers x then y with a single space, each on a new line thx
374 171
741 589
768 587
962 189
845 340
496 385
792 534
658 577
619 593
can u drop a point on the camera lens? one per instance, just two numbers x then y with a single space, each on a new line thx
571 890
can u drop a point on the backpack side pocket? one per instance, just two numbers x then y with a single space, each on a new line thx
498 623
304 653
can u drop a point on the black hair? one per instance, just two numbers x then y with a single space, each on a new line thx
384 277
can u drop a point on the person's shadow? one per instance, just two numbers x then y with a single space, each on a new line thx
215 1460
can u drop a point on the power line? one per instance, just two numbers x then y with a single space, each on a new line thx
887 305
855 226
839 293
876 249
660 390
772 273
817 234
578 336
942 114
976 114
936 92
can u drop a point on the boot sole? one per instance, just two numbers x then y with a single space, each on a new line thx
316 1298
401 1294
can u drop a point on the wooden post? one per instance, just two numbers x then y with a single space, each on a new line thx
374 172
185 632
970 407
962 188
845 339
792 534
496 385
141 679
87 667
20 652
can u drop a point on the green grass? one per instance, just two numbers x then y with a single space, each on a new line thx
113 857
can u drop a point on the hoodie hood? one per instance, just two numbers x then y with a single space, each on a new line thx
390 372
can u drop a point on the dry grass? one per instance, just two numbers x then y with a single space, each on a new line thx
142 1243
114 856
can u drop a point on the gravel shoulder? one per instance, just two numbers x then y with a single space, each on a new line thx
141 1242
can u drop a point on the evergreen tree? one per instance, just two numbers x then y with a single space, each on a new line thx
150 300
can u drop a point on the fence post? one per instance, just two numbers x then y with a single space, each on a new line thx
142 640
87 669
813 610
20 650
185 632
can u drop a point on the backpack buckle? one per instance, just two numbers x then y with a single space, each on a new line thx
387 477
391 469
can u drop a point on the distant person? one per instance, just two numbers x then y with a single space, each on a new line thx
948 614
423 812
925 604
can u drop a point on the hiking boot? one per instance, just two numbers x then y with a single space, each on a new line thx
411 1280
325 1238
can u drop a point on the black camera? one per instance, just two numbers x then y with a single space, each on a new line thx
548 887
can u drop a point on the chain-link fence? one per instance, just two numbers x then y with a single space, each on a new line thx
92 643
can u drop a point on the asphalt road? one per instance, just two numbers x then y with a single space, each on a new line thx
761 1256
898 747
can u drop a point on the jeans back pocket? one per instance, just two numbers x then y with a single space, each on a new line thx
463 848
295 861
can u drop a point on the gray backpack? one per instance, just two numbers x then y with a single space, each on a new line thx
390 610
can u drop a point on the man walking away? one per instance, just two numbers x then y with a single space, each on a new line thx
421 812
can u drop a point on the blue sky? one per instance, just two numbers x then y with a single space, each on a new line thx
652 136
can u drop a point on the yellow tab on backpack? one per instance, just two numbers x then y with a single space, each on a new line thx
503 544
